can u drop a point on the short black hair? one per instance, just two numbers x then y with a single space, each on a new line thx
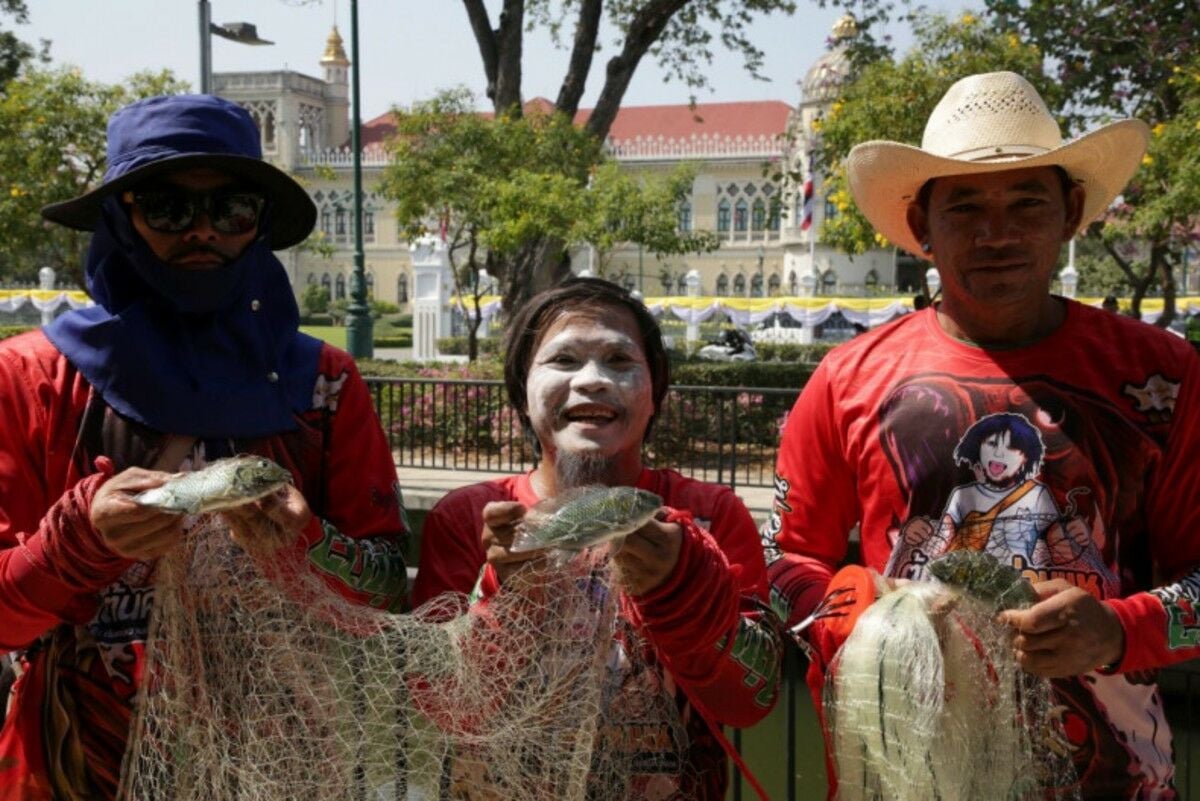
577 294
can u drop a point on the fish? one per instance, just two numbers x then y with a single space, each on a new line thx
983 576
583 517
224 484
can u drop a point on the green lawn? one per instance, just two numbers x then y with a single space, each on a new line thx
333 334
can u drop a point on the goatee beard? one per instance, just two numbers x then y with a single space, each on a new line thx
581 469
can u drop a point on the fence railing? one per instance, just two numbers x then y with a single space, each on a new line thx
724 434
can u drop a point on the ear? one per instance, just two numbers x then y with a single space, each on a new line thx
1074 211
918 223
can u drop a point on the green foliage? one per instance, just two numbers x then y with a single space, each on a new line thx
381 307
457 346
481 369
742 374
7 331
314 300
641 208
52 125
893 99
808 354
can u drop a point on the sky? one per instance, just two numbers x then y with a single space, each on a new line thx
409 49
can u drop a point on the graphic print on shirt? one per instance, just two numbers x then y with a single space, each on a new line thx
1006 511
1038 473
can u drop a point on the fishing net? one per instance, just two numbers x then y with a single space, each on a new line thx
259 687
925 701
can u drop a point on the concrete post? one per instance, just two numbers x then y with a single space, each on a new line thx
693 289
46 281
431 296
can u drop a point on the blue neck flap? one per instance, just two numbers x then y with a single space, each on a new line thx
208 353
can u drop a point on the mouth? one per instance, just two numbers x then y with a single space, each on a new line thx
590 414
996 469
199 258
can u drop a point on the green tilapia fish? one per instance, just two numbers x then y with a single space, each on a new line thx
224 484
983 576
584 517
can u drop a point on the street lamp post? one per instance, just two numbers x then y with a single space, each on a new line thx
358 318
242 32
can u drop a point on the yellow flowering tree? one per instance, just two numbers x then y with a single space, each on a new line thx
891 99
52 146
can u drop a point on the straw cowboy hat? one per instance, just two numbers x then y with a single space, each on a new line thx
177 132
990 123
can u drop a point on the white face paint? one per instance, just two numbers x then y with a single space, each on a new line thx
589 388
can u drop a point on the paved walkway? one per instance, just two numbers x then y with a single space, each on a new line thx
423 488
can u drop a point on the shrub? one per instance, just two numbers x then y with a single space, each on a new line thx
457 346
394 341
7 331
790 375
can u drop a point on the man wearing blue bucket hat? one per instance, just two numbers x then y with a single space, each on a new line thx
191 353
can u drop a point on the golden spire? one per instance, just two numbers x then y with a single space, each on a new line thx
334 52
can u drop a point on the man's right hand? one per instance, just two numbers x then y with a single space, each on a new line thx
129 529
500 519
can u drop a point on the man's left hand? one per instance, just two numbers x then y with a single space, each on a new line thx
270 523
1068 633
647 556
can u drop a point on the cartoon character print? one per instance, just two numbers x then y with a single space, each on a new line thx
1046 476
1006 511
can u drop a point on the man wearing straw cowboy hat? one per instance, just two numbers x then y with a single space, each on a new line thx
191 353
1099 502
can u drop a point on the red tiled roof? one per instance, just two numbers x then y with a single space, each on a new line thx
751 118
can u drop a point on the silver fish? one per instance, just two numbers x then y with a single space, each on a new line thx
224 484
581 518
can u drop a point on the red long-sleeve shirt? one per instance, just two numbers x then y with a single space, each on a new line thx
703 623
1074 458
78 614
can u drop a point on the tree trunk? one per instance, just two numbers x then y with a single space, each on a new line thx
1160 254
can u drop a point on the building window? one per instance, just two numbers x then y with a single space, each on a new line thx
327 284
773 220
339 224
326 223
723 216
722 285
773 284
369 226
339 287
681 284
685 217
756 286
741 213
402 288
792 283
758 218
739 285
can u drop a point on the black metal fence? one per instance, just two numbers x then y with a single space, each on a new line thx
724 434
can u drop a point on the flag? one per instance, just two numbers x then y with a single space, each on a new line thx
806 215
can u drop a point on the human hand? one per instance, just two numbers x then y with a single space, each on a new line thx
500 519
916 531
271 522
1067 633
127 528
646 557
1067 542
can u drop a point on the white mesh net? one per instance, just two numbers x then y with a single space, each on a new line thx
257 692
925 701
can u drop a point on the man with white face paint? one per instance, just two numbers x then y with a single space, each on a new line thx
586 372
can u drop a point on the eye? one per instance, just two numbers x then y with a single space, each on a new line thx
1031 202
962 208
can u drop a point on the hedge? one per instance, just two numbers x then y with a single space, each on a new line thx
7 331
457 346
398 341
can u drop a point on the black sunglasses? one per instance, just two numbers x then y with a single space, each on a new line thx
171 211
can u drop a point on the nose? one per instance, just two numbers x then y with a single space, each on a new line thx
592 376
201 229
996 228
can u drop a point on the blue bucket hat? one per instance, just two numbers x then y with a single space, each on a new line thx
165 134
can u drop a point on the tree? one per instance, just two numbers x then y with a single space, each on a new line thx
314 299
491 186
1130 60
14 53
892 100
679 34
52 148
